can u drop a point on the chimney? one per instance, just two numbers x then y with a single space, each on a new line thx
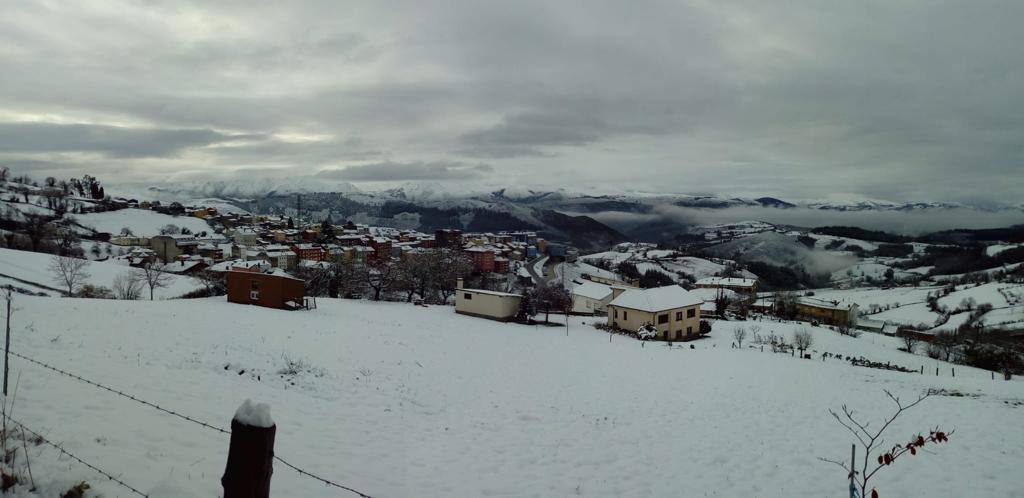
458 284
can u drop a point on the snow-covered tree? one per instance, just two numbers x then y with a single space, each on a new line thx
739 334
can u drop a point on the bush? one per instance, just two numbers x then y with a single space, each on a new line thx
95 292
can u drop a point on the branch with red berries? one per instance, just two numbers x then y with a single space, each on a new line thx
870 441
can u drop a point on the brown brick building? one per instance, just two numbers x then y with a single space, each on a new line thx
272 290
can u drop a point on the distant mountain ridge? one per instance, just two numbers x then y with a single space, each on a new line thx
600 217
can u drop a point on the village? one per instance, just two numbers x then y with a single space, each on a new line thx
325 317
262 260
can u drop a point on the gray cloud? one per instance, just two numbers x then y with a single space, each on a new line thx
112 141
906 222
905 101
522 134
391 171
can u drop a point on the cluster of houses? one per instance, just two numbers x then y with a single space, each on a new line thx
669 313
257 254
268 247
270 239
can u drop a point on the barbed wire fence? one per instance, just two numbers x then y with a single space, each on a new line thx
63 451
301 471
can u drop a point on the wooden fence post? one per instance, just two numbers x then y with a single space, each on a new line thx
853 470
251 454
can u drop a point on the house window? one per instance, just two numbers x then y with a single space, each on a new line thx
467 296
690 313
615 313
662 318
254 290
679 334
625 315
679 315
689 330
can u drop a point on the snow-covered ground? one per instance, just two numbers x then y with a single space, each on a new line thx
907 305
400 400
995 249
33 267
663 261
142 222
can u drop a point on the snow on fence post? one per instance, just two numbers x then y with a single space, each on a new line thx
251 454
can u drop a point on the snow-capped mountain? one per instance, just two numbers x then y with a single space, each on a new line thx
255 187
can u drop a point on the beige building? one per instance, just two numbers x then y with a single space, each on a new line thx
592 298
672 310
494 305
169 247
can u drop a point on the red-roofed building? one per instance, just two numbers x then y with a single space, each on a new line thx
309 252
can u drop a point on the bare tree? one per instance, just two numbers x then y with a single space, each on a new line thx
739 334
909 342
69 272
553 297
348 279
128 285
947 343
155 278
381 277
452 266
871 440
411 271
213 282
37 228
802 340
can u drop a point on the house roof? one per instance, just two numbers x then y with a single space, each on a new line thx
656 299
709 295
181 266
491 293
823 304
592 290
731 282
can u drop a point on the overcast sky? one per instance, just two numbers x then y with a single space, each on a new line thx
893 100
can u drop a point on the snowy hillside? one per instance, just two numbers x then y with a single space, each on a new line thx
459 406
908 305
22 267
668 262
142 222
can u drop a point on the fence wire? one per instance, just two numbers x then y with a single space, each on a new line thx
77 459
299 470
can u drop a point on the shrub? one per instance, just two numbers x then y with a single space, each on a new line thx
95 292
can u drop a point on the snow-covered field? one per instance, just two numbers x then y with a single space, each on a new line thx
908 304
399 400
33 267
142 222
663 261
